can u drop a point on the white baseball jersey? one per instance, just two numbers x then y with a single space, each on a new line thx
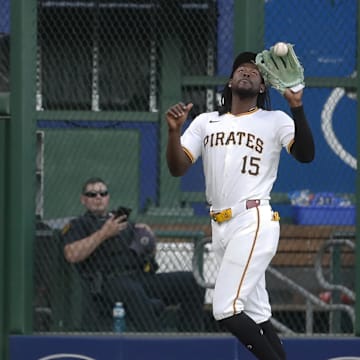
240 159
240 153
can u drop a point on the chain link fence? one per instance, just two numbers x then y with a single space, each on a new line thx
106 72
106 59
113 50
4 48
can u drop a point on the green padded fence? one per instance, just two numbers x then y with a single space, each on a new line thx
90 83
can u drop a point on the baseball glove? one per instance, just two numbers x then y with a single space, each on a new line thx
281 72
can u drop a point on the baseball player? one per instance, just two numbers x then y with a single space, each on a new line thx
240 147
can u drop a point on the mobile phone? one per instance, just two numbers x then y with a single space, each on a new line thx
122 210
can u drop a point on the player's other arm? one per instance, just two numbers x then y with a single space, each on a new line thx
303 147
177 160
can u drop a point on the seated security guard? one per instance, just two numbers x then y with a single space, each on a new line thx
117 260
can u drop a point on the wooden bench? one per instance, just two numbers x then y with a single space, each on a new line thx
298 250
300 244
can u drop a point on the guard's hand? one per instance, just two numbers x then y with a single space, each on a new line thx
177 114
114 225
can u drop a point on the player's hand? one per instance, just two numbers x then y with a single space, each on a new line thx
177 114
113 226
293 98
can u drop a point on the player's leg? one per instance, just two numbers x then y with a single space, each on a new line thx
242 269
258 308
248 252
251 335
273 338
247 331
258 304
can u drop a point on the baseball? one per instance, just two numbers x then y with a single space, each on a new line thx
280 49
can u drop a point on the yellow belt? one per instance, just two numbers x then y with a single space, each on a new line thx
227 214
221 216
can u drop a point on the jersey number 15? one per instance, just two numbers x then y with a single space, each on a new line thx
251 165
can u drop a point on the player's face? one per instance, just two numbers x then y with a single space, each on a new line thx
247 80
96 198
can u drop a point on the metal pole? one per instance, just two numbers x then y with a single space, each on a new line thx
357 250
170 94
20 176
3 337
248 33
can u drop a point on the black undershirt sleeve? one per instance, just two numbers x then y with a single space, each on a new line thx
303 148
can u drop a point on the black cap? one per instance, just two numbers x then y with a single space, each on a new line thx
144 241
244 57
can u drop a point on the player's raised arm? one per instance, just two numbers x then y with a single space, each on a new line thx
178 162
303 148
281 69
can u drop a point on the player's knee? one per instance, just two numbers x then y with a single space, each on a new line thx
221 311
217 308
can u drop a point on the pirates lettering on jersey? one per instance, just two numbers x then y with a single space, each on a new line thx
239 138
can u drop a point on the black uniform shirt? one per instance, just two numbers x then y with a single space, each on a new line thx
112 256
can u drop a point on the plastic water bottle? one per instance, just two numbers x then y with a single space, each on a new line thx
119 317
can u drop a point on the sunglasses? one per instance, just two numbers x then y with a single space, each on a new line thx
92 194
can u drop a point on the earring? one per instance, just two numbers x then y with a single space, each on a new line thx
229 85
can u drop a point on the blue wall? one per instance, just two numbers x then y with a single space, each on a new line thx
325 41
171 348
5 18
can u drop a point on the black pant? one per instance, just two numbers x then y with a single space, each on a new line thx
145 296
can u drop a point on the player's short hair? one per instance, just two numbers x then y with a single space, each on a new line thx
263 99
91 181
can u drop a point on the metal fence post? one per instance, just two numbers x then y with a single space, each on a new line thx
248 33
4 119
20 175
357 250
